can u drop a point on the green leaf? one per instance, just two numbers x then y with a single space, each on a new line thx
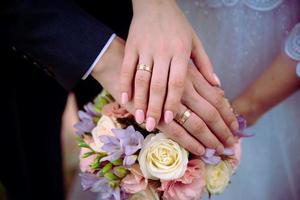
110 176
113 184
121 172
117 162
107 167
84 145
88 154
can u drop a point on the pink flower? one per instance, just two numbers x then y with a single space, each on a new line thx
135 181
189 186
236 158
115 110
85 162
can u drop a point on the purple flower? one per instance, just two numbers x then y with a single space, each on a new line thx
86 123
242 126
101 186
210 158
125 143
88 180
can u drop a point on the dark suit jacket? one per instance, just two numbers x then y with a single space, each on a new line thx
62 38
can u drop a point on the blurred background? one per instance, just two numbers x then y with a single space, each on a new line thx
69 147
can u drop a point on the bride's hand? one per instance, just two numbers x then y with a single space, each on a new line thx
107 72
162 39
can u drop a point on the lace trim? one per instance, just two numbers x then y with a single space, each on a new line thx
292 46
259 5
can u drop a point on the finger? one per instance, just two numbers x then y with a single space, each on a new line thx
210 115
197 127
177 133
212 96
127 74
202 62
141 87
178 71
158 88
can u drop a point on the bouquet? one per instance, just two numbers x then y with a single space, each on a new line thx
120 160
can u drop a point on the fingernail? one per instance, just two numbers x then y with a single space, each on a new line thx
217 79
124 98
230 141
200 151
139 116
150 124
234 126
168 116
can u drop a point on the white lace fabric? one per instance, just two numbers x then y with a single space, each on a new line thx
259 5
292 46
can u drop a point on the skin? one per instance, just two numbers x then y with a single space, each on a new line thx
161 38
195 134
277 83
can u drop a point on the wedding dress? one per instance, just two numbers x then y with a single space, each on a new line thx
242 37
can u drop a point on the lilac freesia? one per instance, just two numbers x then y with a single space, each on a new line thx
101 186
211 158
242 126
88 180
125 143
86 123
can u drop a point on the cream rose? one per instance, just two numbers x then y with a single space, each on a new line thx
162 158
217 177
104 127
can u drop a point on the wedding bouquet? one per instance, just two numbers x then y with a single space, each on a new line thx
121 160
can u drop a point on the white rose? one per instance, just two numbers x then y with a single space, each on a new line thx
104 127
162 158
217 177
148 194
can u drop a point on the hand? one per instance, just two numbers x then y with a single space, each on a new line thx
161 38
274 85
105 72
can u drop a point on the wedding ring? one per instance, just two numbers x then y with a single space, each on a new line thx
144 68
184 117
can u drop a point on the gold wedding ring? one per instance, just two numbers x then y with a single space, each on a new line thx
144 68
184 117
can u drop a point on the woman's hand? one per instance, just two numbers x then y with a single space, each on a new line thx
206 124
161 39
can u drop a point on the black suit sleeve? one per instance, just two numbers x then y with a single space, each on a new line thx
57 34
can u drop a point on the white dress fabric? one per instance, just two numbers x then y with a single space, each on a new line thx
242 37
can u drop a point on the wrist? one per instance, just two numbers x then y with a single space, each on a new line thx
248 108
111 57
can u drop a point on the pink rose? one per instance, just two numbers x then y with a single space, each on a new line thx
236 158
135 181
189 186
115 110
85 162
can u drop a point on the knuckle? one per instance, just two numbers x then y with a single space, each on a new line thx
212 116
157 87
177 83
199 127
176 134
218 102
